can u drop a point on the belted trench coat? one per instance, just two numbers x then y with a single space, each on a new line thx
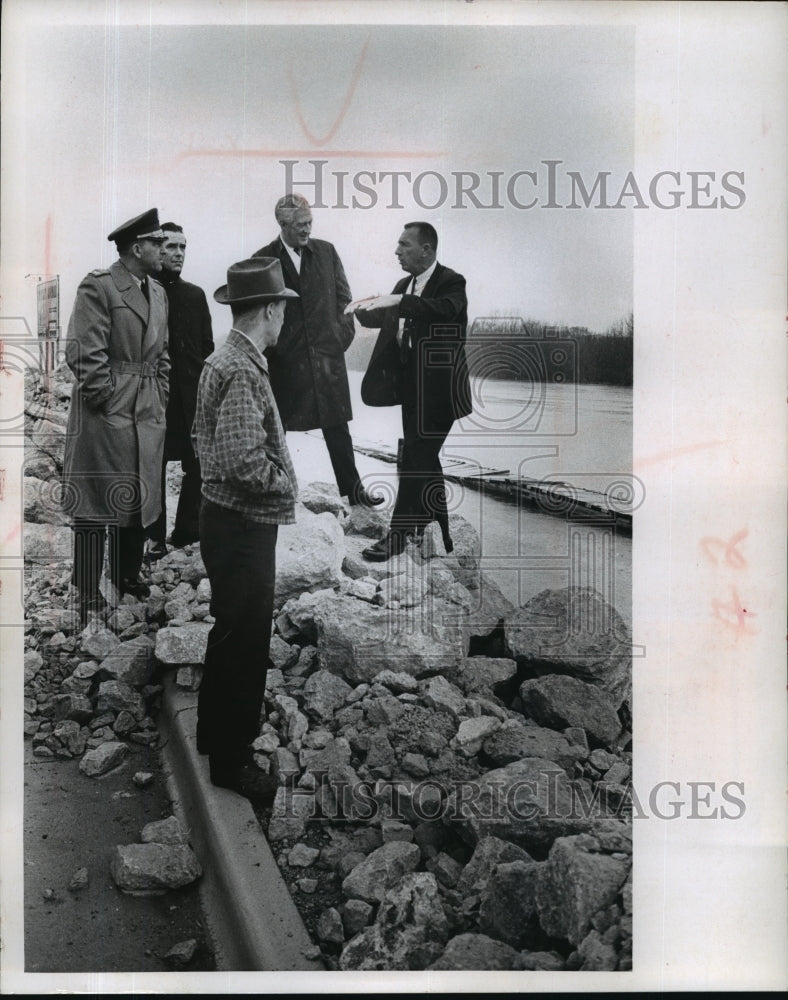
117 352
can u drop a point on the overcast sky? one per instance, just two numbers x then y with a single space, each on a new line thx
195 120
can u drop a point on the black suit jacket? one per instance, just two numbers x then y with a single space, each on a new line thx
436 322
191 341
307 364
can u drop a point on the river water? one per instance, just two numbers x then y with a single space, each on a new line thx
581 435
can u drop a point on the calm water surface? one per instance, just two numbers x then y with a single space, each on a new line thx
579 434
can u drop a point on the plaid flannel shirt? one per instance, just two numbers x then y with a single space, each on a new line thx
239 438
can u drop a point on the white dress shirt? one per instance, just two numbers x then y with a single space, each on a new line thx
416 288
295 257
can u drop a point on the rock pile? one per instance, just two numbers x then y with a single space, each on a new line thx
453 771
475 808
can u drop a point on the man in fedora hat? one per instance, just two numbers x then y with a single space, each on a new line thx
248 488
117 351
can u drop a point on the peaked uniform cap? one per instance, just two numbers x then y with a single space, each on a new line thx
144 227
258 279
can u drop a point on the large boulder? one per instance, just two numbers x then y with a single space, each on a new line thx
182 646
515 740
409 932
102 759
49 436
380 870
473 733
309 555
321 498
153 869
530 802
58 619
357 641
573 631
291 811
72 705
487 855
508 905
467 551
47 543
369 522
97 642
559 701
38 463
119 697
324 693
42 501
484 674
582 875
164 831
131 662
477 952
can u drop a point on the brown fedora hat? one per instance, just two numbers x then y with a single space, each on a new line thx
257 280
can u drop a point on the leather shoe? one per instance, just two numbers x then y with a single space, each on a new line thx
136 588
247 780
361 498
179 539
158 550
391 545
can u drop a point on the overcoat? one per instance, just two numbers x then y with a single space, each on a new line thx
189 344
117 352
437 322
307 365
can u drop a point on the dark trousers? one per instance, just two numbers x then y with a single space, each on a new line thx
421 496
124 557
240 557
343 460
187 515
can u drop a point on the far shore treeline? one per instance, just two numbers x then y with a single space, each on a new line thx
510 348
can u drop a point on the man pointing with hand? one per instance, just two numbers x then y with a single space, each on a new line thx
418 362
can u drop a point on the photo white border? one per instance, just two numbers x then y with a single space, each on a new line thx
709 443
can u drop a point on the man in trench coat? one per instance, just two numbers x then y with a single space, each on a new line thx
190 343
307 366
117 352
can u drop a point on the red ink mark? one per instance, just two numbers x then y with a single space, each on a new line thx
733 614
13 533
342 111
3 368
2 485
730 556
666 456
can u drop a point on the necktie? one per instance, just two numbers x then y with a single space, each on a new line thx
404 347
144 289
297 251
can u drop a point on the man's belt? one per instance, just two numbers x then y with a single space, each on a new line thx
143 368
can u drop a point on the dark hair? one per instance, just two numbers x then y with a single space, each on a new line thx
172 227
426 233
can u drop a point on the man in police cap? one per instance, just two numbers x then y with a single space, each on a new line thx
117 351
